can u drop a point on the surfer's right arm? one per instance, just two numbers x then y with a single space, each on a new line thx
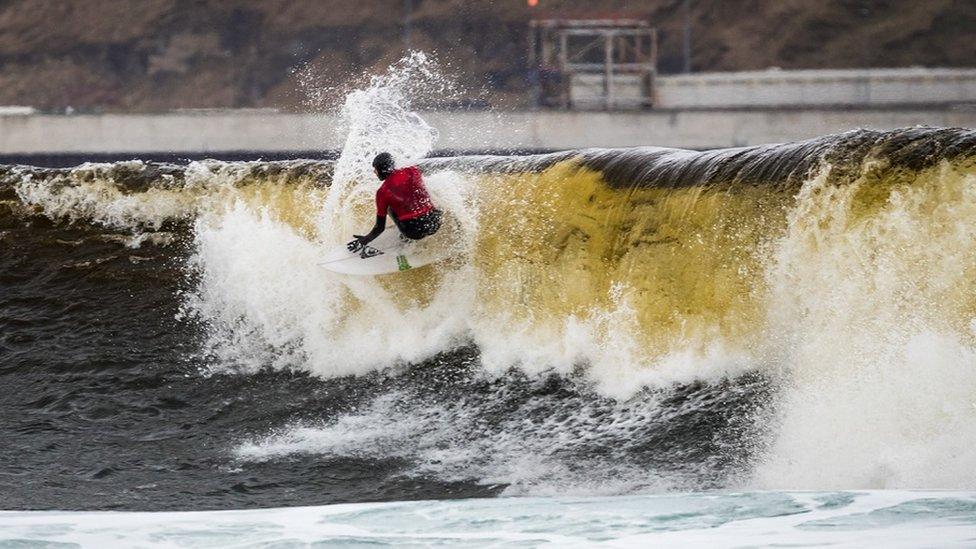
360 241
382 203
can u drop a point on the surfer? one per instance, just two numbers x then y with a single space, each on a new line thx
405 197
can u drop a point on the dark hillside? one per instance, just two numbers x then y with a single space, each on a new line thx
146 55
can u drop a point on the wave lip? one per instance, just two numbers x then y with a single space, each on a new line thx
137 194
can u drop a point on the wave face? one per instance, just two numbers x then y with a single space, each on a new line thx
614 320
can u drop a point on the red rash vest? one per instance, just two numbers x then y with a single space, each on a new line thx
403 193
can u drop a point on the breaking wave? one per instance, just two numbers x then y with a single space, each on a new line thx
840 268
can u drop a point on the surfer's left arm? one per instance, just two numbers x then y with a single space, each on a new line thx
362 240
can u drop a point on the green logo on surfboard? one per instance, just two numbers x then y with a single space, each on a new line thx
402 263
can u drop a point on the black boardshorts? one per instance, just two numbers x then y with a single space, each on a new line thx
420 227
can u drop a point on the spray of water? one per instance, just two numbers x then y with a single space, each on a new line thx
871 312
266 300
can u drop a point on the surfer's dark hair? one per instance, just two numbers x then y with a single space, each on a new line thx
384 164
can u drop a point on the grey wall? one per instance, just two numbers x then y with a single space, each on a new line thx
694 111
852 88
229 131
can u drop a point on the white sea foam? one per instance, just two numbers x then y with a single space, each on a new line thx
91 193
868 315
751 519
543 446
88 193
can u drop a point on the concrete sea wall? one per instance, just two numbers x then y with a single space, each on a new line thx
692 111
230 131
790 89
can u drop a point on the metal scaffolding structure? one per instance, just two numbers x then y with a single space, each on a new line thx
593 63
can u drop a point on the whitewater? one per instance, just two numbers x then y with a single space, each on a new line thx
625 346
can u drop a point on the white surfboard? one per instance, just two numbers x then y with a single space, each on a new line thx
389 253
